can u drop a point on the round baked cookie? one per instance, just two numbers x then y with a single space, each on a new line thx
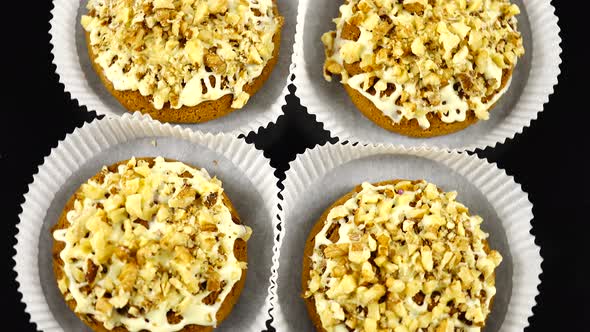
191 94
125 273
398 253
424 68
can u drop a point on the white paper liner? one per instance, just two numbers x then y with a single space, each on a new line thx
75 72
247 179
320 176
533 80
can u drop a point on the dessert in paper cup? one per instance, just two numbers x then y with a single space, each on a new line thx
451 74
388 238
218 65
124 243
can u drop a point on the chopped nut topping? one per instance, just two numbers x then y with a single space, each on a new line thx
91 270
210 200
172 50
423 49
145 250
415 261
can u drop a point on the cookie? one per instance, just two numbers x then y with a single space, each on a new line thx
219 299
212 81
424 69
378 255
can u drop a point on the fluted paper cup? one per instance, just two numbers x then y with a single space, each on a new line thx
532 82
79 78
247 179
320 176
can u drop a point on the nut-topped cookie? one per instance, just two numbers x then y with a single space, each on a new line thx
150 245
424 68
183 60
399 256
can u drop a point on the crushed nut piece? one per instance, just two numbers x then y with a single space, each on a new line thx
91 270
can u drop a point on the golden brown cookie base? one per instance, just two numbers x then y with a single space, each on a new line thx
203 112
405 127
240 251
310 244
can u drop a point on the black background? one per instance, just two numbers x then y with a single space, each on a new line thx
550 159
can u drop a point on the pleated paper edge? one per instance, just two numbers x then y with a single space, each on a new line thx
74 150
543 77
62 40
505 195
